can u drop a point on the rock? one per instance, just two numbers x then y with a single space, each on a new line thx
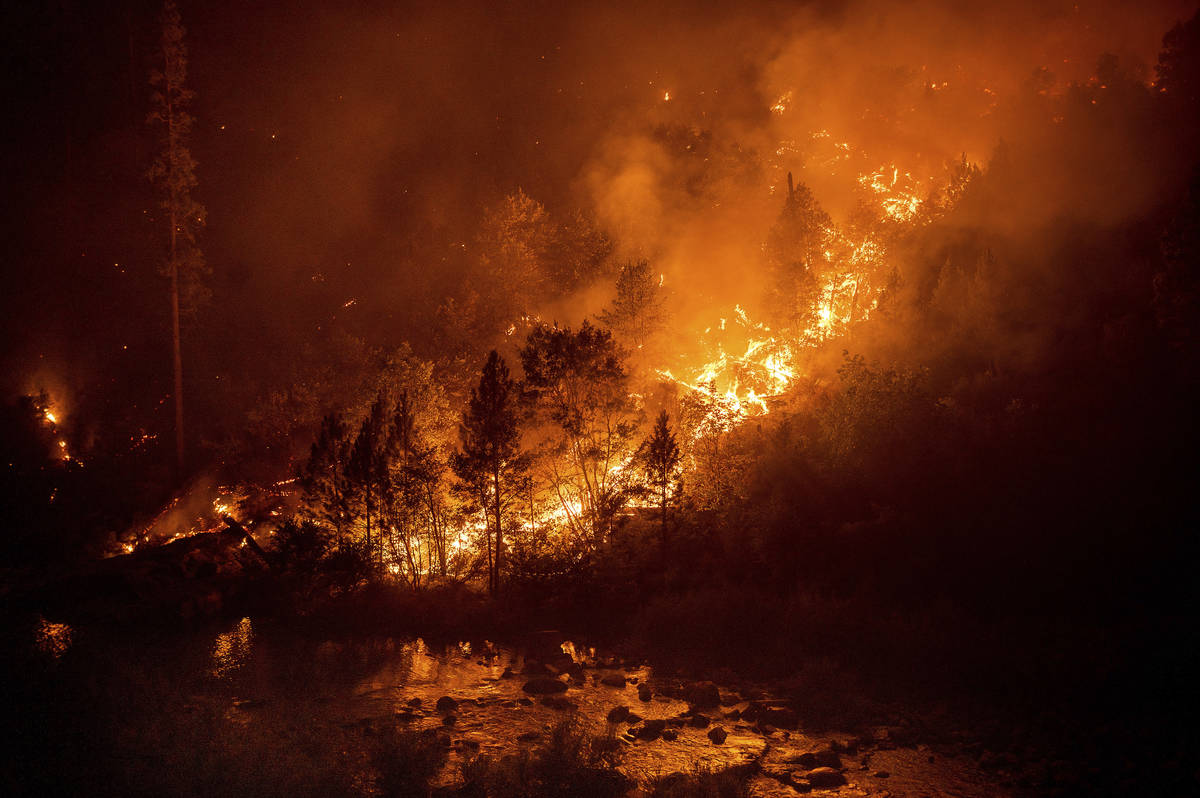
881 774
848 745
525 702
821 758
543 686
717 734
670 735
449 720
703 695
561 704
651 729
699 721
799 783
618 714
414 702
446 704
508 674
644 692
633 718
781 717
613 680
528 737
824 778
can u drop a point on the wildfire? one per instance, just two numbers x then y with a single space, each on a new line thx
898 193
51 418
737 381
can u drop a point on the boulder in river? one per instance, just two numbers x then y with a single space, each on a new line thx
820 758
703 695
825 778
781 717
699 721
613 680
644 692
717 734
446 704
544 685
651 729
618 714
559 703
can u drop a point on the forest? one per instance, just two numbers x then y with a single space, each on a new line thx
838 389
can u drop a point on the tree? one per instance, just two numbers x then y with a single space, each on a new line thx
578 383
659 458
174 175
515 241
325 478
796 259
410 489
637 311
490 460
367 468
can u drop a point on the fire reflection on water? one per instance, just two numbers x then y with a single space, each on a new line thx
53 639
231 649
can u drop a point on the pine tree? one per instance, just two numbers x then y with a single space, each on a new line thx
324 478
174 175
637 311
660 461
490 458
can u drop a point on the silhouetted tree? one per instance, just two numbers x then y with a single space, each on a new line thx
578 381
324 478
637 311
368 469
796 249
173 173
660 457
490 459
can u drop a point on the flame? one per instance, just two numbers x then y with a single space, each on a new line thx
739 379
898 193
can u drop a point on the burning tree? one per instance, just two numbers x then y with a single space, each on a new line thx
174 174
579 385
796 256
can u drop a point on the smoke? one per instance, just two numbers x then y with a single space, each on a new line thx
346 151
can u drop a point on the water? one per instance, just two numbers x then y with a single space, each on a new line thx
251 707
377 681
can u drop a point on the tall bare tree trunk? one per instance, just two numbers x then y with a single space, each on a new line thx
177 355
499 533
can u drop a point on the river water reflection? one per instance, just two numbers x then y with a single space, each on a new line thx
265 674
